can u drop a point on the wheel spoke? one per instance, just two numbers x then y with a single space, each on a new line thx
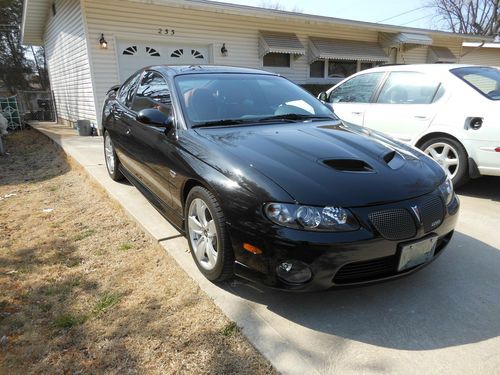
201 213
433 153
201 246
212 231
446 151
195 225
211 253
451 162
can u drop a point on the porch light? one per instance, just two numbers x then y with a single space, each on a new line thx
103 42
224 50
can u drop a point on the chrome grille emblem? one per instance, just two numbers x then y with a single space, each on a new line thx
416 211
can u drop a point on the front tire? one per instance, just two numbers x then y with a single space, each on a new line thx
207 235
451 156
112 162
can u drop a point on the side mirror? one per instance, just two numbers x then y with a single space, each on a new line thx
323 96
155 117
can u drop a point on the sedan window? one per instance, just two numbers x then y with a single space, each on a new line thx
358 89
408 88
486 80
153 92
127 91
228 99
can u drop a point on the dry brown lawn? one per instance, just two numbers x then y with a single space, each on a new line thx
84 291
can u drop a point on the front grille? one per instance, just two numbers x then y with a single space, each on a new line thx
370 270
367 270
432 211
394 224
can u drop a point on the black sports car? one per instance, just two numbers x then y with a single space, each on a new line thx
266 183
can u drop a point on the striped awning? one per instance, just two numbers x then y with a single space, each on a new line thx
404 39
441 55
342 49
276 42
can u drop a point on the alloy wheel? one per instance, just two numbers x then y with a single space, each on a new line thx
202 234
446 156
109 153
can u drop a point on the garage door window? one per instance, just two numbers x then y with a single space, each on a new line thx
153 92
132 50
152 52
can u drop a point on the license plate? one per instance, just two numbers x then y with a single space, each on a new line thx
416 253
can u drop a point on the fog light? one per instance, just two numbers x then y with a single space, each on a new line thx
294 272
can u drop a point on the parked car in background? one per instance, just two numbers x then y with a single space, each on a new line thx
266 182
450 111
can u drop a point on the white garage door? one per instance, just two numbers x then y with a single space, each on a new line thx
133 56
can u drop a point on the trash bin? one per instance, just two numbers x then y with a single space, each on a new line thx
84 128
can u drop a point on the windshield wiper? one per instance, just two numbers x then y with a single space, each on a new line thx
220 123
295 117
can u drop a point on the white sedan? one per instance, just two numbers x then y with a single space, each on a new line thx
450 111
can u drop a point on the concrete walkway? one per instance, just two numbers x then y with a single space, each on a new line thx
445 319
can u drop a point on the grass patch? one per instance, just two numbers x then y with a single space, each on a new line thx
106 301
230 329
125 247
69 320
84 234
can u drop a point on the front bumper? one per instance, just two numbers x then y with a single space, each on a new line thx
336 259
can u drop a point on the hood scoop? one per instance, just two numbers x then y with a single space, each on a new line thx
349 165
394 160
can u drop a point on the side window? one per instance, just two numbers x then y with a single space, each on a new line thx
127 90
153 92
408 88
356 90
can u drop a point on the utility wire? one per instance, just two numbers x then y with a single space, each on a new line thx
400 14
415 20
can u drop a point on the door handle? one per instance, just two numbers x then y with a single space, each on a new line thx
421 117
127 132
357 113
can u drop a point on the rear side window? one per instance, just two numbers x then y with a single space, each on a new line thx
408 88
127 91
486 80
358 89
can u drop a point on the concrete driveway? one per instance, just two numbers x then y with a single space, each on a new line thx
444 319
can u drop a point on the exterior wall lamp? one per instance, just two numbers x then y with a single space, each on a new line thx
224 50
103 42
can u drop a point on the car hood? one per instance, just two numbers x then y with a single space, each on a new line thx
331 163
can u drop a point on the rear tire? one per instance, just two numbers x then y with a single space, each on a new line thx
451 156
112 162
207 235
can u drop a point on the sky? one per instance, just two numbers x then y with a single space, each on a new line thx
383 11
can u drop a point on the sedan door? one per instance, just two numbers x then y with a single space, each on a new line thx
150 146
351 99
405 106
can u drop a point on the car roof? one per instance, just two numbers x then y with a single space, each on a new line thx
430 68
177 70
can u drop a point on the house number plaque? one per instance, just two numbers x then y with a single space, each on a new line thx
166 31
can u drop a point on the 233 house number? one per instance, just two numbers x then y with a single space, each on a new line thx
166 31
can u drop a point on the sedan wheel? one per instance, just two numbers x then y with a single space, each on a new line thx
207 235
203 234
111 158
451 156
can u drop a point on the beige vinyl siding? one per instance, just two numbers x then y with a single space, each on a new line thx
481 56
123 20
68 62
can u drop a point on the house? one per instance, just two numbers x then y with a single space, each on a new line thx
92 45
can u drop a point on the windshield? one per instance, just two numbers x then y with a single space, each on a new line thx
229 99
486 80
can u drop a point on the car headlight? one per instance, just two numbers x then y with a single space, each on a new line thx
446 190
328 219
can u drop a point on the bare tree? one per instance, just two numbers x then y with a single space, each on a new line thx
276 5
480 17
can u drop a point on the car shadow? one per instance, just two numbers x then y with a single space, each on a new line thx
453 301
487 187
